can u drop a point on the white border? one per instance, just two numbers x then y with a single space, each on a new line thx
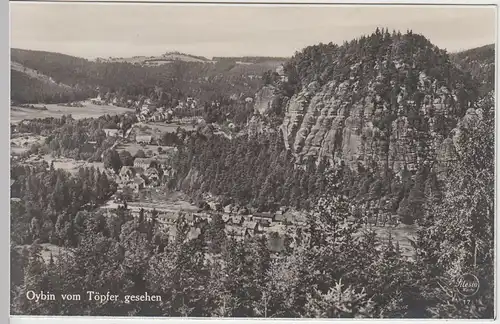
155 320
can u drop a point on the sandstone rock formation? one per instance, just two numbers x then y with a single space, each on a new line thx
323 123
263 99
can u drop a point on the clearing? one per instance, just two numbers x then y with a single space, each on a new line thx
53 110
47 250
161 201
158 128
20 143
67 164
132 148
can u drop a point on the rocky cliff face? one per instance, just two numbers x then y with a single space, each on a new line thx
323 122
383 101
263 99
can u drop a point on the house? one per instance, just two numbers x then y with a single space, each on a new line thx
214 205
252 226
226 218
127 173
249 99
201 216
264 216
144 139
111 132
145 163
228 209
237 220
138 184
279 217
190 219
237 232
169 115
152 176
168 217
157 117
97 100
264 222
193 233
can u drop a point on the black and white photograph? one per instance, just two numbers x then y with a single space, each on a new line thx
265 161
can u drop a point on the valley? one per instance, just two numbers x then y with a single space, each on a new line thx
258 180
89 110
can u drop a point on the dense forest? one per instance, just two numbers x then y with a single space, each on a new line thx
164 84
80 139
261 174
329 273
480 63
29 90
330 268
50 200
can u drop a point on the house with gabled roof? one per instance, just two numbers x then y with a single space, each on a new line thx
252 226
153 176
238 232
111 132
137 184
264 217
193 233
169 217
237 219
127 173
144 139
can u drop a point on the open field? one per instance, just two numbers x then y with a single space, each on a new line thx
132 148
400 233
69 165
162 202
47 250
20 144
53 110
157 128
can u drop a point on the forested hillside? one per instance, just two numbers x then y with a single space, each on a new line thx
480 62
386 109
26 89
164 83
386 124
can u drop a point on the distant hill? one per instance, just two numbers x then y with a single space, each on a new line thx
166 58
480 62
170 57
184 76
252 59
39 89
34 74
45 77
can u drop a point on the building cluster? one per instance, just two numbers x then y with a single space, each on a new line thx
235 225
145 173
150 113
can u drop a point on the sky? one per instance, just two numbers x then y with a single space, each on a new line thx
93 30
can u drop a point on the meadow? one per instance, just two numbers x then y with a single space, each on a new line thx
53 110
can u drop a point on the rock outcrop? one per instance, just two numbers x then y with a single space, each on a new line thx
321 122
263 99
